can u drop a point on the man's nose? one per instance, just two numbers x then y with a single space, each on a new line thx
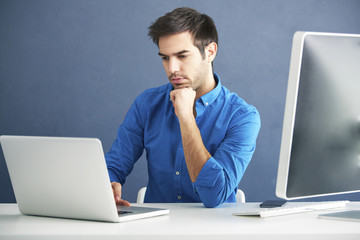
174 65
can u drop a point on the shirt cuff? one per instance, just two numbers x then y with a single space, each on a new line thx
113 177
209 174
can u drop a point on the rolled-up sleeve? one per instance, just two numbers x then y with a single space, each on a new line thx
221 174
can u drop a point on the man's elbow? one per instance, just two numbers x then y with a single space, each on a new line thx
210 203
212 198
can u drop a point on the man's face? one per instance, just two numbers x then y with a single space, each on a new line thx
183 62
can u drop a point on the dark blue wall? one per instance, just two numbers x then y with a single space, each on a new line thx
73 67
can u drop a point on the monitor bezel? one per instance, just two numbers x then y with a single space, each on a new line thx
290 111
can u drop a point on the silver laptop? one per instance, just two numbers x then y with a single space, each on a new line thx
65 177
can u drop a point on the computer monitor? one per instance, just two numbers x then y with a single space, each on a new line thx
320 146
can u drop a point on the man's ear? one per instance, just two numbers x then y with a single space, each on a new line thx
211 51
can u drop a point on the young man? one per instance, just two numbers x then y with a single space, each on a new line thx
199 137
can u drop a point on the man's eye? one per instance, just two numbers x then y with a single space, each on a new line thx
164 58
182 56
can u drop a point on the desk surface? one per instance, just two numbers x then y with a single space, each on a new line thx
185 221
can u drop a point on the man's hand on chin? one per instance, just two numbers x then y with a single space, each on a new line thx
183 101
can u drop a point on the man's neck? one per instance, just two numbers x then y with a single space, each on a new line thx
208 86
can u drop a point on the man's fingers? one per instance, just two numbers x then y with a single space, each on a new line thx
117 194
183 102
123 203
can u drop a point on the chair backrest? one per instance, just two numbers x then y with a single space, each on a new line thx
240 196
141 195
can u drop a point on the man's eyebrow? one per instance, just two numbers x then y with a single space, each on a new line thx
178 53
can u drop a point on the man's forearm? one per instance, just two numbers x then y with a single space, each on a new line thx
195 152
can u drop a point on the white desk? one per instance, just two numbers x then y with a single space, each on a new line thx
185 222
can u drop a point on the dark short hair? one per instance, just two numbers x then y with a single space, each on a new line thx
200 26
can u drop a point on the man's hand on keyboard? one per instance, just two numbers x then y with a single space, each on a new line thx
116 187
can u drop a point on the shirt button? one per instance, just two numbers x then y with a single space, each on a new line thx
179 197
177 173
206 103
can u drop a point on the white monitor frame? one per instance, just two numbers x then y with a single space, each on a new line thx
290 111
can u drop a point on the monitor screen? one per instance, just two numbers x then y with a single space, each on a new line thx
320 146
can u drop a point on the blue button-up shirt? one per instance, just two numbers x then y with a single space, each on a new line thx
228 126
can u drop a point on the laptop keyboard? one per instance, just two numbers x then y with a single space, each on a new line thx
124 212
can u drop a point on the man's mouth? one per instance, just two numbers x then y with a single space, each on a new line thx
177 81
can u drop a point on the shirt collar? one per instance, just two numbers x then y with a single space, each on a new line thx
208 98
